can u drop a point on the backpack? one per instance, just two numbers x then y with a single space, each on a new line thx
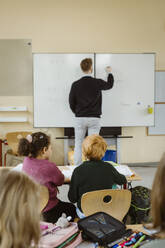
103 229
140 205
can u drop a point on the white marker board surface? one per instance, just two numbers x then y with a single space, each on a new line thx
53 76
124 105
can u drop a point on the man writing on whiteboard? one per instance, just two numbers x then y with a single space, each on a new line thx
85 101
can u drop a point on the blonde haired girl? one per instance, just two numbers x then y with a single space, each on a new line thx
19 210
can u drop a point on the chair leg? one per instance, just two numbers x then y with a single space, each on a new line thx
5 157
1 141
125 186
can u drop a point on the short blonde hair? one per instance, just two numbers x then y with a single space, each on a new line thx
19 210
94 147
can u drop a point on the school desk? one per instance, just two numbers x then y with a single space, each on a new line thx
137 227
135 177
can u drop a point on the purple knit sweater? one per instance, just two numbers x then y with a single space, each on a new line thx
46 173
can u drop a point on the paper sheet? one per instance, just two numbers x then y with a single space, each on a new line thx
125 170
68 171
122 169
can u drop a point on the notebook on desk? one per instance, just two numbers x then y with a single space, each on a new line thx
125 170
68 171
122 169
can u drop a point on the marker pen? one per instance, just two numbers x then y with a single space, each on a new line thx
139 241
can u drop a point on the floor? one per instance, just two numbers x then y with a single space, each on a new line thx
147 174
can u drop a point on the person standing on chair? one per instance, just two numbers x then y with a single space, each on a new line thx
85 99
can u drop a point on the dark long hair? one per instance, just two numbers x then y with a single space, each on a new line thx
35 146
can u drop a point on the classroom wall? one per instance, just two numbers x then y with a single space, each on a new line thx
16 67
118 26
57 145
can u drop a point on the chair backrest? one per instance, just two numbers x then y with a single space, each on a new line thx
115 202
44 197
13 139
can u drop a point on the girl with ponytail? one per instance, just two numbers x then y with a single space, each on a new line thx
37 151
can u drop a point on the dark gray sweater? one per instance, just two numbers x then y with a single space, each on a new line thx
85 96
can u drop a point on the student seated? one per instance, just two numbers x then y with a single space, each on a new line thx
19 210
37 149
93 174
158 199
158 208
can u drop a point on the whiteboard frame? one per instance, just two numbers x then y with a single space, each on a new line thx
149 130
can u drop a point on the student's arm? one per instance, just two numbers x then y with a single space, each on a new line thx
72 100
118 178
73 189
56 175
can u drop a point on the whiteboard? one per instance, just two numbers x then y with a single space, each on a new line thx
53 77
127 102
124 105
160 86
159 127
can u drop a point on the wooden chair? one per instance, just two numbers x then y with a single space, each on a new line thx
13 141
44 197
115 202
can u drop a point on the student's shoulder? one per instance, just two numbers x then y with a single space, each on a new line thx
26 159
51 164
81 168
49 168
47 165
107 165
29 161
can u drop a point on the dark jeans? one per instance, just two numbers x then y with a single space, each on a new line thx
55 213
